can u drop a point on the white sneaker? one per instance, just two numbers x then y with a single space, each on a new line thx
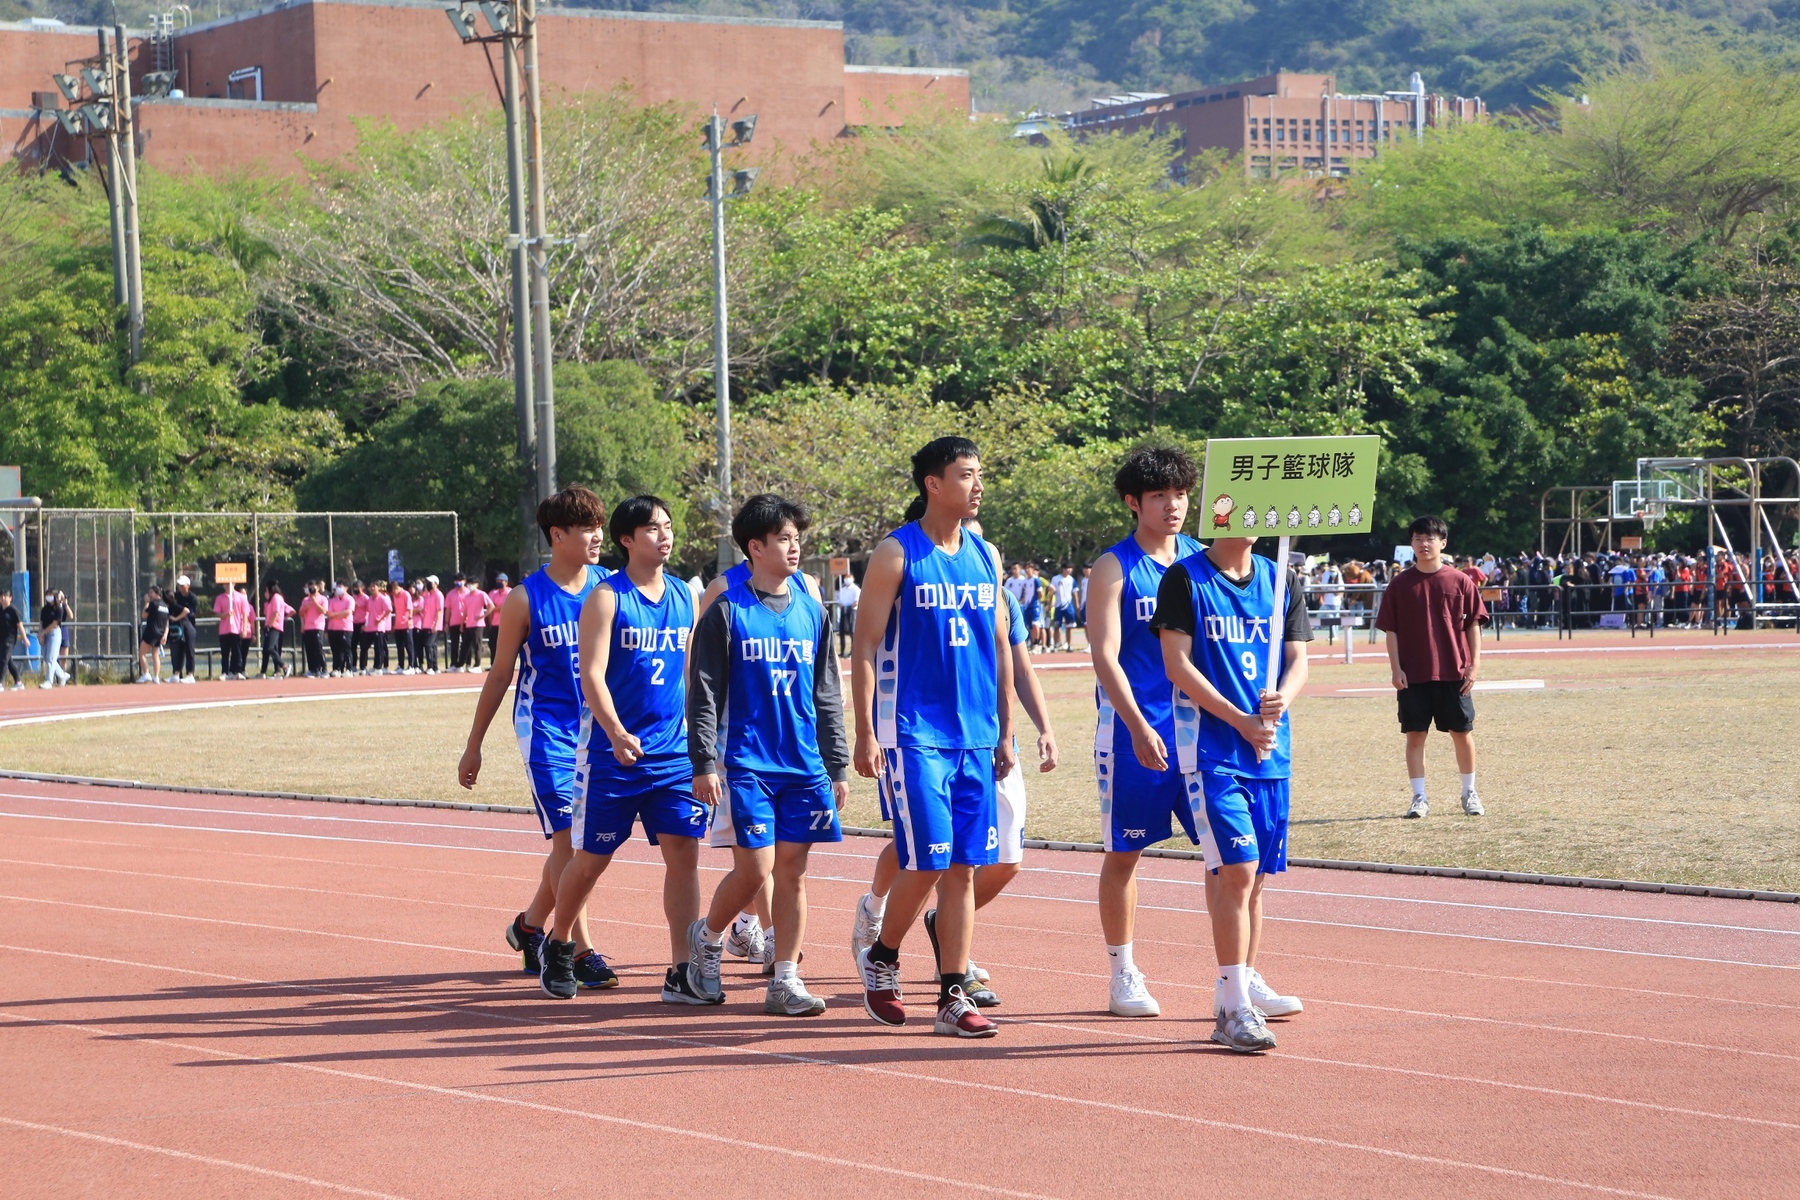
1472 805
979 974
1130 998
866 930
145 678
1267 999
745 941
1419 808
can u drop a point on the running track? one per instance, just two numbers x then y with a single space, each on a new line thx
208 996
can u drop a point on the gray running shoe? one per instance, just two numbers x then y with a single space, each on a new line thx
1472 805
1419 807
678 987
703 962
1243 1031
864 933
789 998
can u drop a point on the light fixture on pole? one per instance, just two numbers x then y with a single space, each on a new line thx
742 130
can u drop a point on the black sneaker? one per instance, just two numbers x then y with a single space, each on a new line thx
557 975
528 943
979 993
591 971
678 988
937 957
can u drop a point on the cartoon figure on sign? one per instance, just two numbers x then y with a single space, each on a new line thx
1222 511
1356 514
1294 517
1272 519
1313 518
1334 517
1249 518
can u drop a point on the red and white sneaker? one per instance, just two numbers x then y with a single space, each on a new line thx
960 1018
881 990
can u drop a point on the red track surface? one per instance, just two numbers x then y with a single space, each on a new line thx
208 997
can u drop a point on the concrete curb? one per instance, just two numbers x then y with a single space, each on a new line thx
1326 864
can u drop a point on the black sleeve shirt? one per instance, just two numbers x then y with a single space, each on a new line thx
1175 606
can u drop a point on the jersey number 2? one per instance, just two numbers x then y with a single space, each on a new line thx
656 670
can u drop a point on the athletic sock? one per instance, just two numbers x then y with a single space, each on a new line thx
946 981
881 953
1468 782
746 922
1234 983
1418 787
786 970
714 937
1121 959
877 906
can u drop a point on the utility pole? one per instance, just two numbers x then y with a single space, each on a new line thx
716 145
125 170
504 20
540 256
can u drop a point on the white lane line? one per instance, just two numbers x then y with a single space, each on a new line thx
1485 685
467 1094
860 1068
318 837
1645 649
89 714
168 1152
532 831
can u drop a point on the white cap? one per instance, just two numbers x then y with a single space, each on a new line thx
182 581
432 580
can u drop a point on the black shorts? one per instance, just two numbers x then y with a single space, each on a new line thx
1440 700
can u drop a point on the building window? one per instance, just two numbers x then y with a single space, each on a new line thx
1306 132
1359 133
245 84
1280 132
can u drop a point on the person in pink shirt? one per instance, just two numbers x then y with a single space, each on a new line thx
276 611
360 639
312 628
475 615
340 612
402 600
497 597
379 618
430 624
236 620
453 621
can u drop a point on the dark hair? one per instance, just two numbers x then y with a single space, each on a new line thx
765 514
1429 524
1155 469
575 507
629 516
933 459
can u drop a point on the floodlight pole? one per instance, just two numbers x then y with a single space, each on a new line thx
523 402
715 145
125 169
540 255
114 187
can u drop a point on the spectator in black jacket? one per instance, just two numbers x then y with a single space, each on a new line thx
12 625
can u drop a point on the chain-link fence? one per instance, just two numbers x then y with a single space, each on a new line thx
103 561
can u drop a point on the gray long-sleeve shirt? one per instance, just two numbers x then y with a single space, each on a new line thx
710 658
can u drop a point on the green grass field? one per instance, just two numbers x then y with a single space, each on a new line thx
1676 768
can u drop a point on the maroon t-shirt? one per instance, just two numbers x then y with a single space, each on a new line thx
1427 612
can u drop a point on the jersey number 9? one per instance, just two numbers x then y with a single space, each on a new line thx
1248 658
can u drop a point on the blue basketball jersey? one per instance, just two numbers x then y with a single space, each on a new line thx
935 670
547 703
1232 627
646 670
769 726
735 574
1140 651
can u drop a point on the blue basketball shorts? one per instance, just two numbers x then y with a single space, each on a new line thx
769 809
1138 807
1246 820
552 786
943 807
658 794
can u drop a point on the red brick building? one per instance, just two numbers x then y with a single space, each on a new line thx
1281 125
266 88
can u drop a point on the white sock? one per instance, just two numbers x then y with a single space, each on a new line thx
786 970
1418 787
877 905
746 922
1234 987
712 936
1468 782
1121 959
